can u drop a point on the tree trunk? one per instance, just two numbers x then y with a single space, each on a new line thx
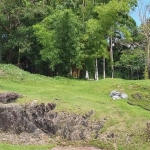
111 58
148 61
96 70
9 56
0 54
87 75
104 73
147 65
71 74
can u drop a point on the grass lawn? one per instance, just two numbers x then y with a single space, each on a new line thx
128 122
4 146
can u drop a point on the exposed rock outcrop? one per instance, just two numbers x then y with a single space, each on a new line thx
9 97
39 118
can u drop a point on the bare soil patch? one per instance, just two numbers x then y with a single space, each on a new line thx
75 148
2 73
24 138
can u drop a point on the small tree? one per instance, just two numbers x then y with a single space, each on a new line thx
144 16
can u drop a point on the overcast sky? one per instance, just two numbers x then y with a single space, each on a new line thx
135 13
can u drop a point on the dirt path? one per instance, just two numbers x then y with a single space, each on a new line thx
75 148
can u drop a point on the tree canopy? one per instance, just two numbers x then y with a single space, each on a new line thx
60 37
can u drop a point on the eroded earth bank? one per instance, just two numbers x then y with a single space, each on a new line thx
39 123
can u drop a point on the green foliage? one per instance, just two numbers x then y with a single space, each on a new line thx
132 60
109 14
16 20
112 18
95 48
59 35
66 32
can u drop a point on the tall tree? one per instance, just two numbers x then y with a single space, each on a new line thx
144 16
16 20
96 46
92 36
59 35
110 16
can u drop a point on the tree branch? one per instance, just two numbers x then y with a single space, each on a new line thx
4 27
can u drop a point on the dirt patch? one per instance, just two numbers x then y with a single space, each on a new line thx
75 148
24 138
2 73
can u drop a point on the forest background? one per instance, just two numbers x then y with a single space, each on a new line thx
75 38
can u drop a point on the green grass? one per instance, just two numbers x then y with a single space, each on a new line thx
4 146
128 122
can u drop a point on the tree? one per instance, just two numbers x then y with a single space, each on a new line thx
96 44
131 62
110 16
72 35
93 38
59 35
144 15
16 20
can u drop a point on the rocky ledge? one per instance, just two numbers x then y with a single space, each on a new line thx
41 118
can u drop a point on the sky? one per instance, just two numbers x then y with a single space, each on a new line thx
135 13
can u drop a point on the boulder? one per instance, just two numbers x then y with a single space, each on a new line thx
118 95
124 96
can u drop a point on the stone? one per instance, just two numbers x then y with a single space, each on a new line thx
118 95
9 97
124 96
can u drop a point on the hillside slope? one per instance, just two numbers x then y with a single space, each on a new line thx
125 125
